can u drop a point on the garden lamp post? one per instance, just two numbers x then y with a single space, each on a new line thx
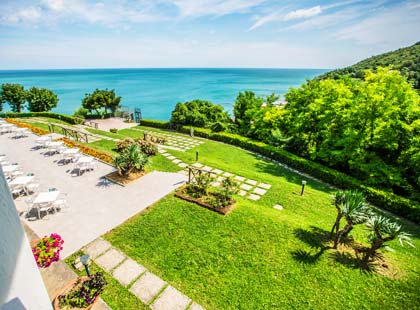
196 155
303 187
85 261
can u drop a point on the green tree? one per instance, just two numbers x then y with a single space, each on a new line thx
350 205
200 113
382 231
41 99
361 127
247 104
101 99
14 95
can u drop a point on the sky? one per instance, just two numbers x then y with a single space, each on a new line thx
46 34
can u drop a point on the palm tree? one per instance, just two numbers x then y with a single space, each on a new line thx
130 160
383 231
352 206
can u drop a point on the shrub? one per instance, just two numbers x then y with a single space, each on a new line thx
224 196
113 130
69 119
147 147
155 124
131 160
123 144
200 185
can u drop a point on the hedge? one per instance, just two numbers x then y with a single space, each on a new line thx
155 124
65 118
386 200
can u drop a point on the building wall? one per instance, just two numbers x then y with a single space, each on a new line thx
21 285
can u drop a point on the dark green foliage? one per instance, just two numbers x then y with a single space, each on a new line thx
41 99
156 124
131 159
200 185
224 195
101 100
14 95
199 113
68 119
246 105
406 60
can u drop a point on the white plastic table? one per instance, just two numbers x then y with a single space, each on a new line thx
22 180
46 197
10 168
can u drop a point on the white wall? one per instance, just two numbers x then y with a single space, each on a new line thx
21 285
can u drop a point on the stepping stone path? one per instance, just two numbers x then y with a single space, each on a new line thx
146 286
174 142
250 189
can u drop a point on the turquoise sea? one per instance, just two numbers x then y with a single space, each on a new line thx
156 91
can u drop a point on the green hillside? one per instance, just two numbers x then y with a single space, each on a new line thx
406 60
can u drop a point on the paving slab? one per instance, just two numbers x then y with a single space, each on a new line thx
176 161
197 165
97 247
264 185
245 187
239 178
259 191
195 306
171 157
254 197
206 168
147 287
217 171
171 299
215 184
110 259
228 174
278 207
182 165
220 178
252 182
128 271
242 193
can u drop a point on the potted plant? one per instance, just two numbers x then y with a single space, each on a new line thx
81 293
47 250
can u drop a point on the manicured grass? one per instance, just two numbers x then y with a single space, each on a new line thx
105 133
161 163
115 295
260 258
104 145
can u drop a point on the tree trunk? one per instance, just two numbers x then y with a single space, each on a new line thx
372 250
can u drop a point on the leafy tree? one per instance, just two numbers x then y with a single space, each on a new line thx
382 230
200 113
246 105
101 99
363 128
41 99
351 206
14 95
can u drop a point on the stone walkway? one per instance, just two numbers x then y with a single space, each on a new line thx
248 188
149 288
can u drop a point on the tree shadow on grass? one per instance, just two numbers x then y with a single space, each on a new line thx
317 239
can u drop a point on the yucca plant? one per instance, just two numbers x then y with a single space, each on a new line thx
131 160
352 206
382 230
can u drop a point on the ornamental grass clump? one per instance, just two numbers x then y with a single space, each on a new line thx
84 292
48 250
131 160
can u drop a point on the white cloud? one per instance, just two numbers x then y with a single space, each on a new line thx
391 28
25 15
54 5
197 8
303 13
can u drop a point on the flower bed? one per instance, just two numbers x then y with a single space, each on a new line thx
81 293
47 250
204 200
34 129
123 181
89 151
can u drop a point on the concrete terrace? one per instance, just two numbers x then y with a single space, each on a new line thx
95 206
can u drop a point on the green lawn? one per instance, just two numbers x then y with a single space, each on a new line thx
261 258
105 133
